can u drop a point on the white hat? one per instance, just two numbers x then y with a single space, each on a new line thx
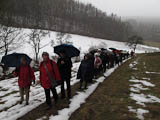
99 50
96 54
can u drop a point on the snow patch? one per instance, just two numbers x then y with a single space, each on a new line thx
132 89
146 78
139 87
145 83
79 99
139 112
147 72
133 64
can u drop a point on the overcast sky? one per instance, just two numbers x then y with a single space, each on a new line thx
145 8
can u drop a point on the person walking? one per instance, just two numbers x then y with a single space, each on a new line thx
65 64
132 54
84 71
25 76
91 59
97 64
49 74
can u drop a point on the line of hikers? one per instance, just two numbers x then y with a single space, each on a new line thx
53 74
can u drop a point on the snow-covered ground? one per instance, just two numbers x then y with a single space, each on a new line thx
81 42
136 88
9 97
80 98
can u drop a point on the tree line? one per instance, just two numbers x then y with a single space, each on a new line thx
149 29
66 16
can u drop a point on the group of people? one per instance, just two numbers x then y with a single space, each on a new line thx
95 63
53 74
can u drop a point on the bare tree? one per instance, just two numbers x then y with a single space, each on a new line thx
35 39
10 39
134 40
63 38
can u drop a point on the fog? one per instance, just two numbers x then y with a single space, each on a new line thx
130 8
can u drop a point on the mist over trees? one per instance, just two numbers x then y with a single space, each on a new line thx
133 41
149 29
66 16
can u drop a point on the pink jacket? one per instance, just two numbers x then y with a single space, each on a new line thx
97 62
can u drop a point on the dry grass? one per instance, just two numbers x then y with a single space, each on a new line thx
111 99
151 43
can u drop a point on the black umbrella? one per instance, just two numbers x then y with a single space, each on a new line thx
93 51
103 49
70 50
109 52
14 60
113 49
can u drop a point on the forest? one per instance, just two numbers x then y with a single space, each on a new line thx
66 16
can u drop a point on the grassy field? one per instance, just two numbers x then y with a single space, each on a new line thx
154 44
112 98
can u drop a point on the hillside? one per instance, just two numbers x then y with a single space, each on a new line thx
81 42
67 16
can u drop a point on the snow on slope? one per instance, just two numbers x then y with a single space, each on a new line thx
14 110
9 97
82 42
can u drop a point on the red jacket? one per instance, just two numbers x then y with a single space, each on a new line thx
44 78
132 54
25 76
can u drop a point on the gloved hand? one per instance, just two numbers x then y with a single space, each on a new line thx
34 82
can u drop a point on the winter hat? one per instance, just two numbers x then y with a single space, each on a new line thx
96 54
45 53
99 50
86 55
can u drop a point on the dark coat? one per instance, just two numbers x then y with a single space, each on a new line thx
84 71
103 58
65 69
91 59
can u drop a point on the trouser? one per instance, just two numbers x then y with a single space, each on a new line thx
26 90
108 65
48 96
104 67
81 82
96 71
68 88
111 63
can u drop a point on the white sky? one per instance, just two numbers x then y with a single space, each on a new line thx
144 8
